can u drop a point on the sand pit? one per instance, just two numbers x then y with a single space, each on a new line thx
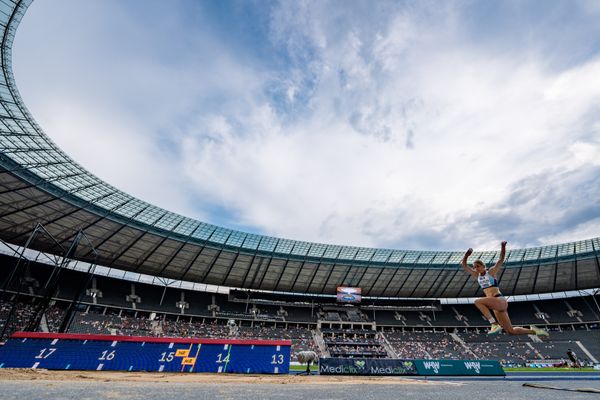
217 379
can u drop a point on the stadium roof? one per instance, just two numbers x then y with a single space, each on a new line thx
40 183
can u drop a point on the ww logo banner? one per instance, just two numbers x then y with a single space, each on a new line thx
434 365
474 366
459 367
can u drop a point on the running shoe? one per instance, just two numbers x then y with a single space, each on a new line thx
539 331
494 330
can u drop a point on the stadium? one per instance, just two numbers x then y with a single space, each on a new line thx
80 257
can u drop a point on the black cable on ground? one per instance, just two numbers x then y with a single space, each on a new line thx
541 386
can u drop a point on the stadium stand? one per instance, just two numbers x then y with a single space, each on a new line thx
511 350
354 343
394 328
426 345
413 343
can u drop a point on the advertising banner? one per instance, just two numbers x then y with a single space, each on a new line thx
366 366
459 367
390 367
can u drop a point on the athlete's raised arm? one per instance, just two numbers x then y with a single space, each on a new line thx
496 268
466 266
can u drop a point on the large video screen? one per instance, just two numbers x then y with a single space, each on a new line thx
349 294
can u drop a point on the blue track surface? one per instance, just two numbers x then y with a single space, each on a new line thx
512 376
525 376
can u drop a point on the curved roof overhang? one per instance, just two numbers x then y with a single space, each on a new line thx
41 184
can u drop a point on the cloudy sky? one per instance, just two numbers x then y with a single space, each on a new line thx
402 124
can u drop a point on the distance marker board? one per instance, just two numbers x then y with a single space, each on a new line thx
135 353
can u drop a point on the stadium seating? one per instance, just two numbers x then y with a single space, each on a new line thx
427 344
354 343
411 330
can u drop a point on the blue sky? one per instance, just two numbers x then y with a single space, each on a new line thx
403 124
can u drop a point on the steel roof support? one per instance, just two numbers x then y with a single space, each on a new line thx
467 278
287 260
387 285
404 282
437 282
160 243
151 252
262 278
256 270
418 283
100 218
448 281
192 261
368 292
175 254
537 271
70 313
230 268
326 281
126 249
516 281
312 278
214 260
298 273
249 267
358 282
48 223
23 209
119 229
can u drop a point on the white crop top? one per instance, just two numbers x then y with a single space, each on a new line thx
487 281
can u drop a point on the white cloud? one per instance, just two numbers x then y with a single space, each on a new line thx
582 231
108 91
477 122
398 131
584 153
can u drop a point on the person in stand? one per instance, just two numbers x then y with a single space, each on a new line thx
573 357
494 300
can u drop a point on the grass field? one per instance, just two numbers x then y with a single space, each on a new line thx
303 367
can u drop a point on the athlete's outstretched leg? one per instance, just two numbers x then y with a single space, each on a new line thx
484 305
481 304
504 321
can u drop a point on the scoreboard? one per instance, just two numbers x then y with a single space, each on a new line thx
136 353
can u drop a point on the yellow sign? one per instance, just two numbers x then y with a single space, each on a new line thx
188 361
182 353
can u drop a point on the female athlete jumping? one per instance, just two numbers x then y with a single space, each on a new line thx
494 300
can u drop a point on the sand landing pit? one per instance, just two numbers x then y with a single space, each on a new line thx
218 379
